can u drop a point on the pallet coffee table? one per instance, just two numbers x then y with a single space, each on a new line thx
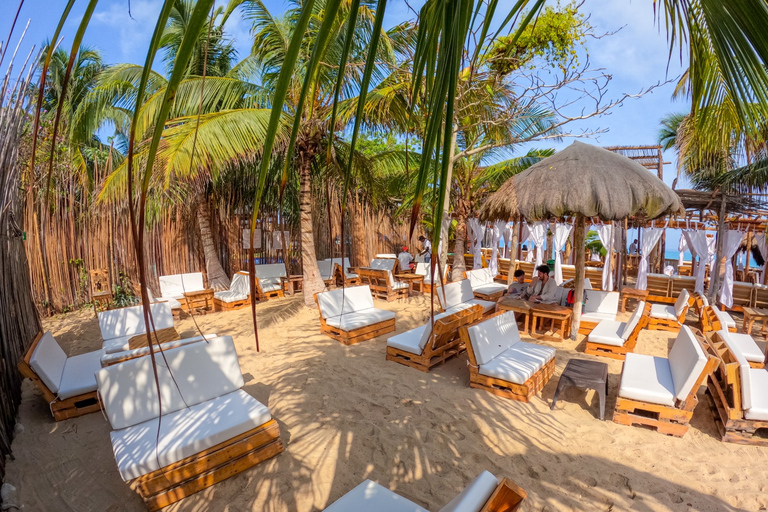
584 374
201 300
632 293
554 312
751 315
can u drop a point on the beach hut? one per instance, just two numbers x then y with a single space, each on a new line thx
582 181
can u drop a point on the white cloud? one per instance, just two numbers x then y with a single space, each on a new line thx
130 33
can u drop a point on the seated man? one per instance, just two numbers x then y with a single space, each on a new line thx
542 288
518 286
405 260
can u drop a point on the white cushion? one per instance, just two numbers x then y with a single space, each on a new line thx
633 320
415 340
479 277
371 497
48 361
116 344
757 395
231 296
518 363
608 332
344 300
273 270
326 269
117 323
397 285
681 303
488 305
686 361
474 496
384 264
177 284
455 293
597 317
744 344
606 303
358 319
460 307
726 320
109 357
490 289
185 432
493 336
704 300
647 379
240 284
78 376
173 303
663 312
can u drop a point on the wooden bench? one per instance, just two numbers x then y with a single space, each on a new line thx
237 297
616 339
349 316
268 283
668 318
659 288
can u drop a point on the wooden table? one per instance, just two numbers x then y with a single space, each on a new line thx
414 280
292 284
632 293
200 300
518 306
553 312
584 374
750 316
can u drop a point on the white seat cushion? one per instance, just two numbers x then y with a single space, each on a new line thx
647 379
172 303
474 496
599 302
409 341
597 317
358 319
185 432
231 296
490 289
176 285
460 307
518 363
128 322
726 320
663 312
633 320
681 303
493 336
371 497
48 361
455 293
117 344
608 332
398 285
488 305
686 362
758 382
78 377
745 344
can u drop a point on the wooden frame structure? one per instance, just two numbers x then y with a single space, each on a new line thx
381 287
443 343
61 409
663 324
340 277
356 335
616 352
508 497
708 321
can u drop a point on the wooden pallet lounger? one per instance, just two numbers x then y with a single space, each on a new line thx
661 393
598 306
422 269
483 285
67 383
484 494
124 329
268 283
502 364
615 339
349 316
668 318
173 288
425 347
237 297
712 319
212 429
459 294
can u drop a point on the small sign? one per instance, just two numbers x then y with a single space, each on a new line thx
23 235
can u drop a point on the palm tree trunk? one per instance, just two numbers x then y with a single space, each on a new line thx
217 278
459 265
360 251
312 281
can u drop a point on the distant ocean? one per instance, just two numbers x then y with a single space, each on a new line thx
673 255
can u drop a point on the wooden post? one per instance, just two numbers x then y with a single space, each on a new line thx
714 274
513 251
749 253
578 243
624 253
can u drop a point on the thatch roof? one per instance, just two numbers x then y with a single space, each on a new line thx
701 200
583 179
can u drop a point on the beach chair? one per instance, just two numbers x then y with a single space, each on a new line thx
598 306
124 329
268 282
381 280
659 288
483 285
422 269
713 319
425 347
108 359
743 295
679 283
174 286
503 270
746 346
526 267
458 295
686 269
327 272
210 430
502 364
342 273
661 393
668 318
739 393
67 383
615 339
348 315
237 297
484 494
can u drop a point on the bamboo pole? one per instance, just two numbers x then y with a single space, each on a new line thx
578 242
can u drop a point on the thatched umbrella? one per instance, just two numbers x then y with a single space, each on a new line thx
583 181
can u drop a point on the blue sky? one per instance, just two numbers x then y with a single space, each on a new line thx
636 56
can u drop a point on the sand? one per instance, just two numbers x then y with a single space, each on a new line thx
347 414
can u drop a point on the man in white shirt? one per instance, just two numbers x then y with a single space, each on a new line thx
405 260
633 247
427 250
542 288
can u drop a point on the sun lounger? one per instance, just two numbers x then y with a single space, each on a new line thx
348 315
210 429
502 364
342 273
739 392
661 393
668 318
237 297
381 280
485 493
598 306
659 288
615 339
422 269
425 347
173 288
483 285
124 329
268 283
458 295
67 383
746 346
127 355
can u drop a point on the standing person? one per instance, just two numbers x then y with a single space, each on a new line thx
405 259
427 249
633 247
542 287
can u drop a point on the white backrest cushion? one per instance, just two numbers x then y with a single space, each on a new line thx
422 269
686 360
493 336
455 293
48 361
466 290
117 323
681 302
601 302
633 321
344 300
176 284
474 496
273 270
240 284
479 277
326 269
383 264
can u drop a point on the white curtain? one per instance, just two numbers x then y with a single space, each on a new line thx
561 236
605 233
476 241
538 236
700 246
762 245
507 235
498 229
682 246
651 237
527 241
730 246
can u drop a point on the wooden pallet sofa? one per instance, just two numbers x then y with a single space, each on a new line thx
425 346
210 430
124 329
237 297
759 297
615 339
739 394
343 272
746 346
484 494
380 279
659 288
663 317
108 359
422 269
527 267
268 283
483 285
349 316
174 286
598 306
67 383
744 295
661 393
458 295
502 364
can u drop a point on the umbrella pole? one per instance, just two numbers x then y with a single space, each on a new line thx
578 243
